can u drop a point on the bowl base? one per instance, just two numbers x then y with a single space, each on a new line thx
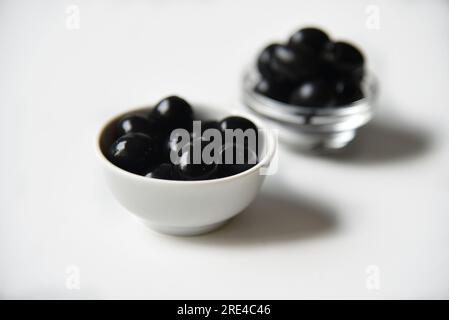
316 142
184 231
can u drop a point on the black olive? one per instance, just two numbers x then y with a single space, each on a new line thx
265 64
235 122
279 91
348 60
235 159
163 171
313 38
134 123
205 125
294 65
313 93
173 112
192 167
134 152
174 144
347 91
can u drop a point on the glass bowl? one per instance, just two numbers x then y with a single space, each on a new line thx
310 127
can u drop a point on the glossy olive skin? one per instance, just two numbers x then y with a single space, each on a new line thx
347 91
264 64
294 65
209 125
173 144
164 171
136 123
313 38
279 91
348 60
188 169
145 146
236 122
134 152
173 112
285 63
313 93
236 159
309 70
205 125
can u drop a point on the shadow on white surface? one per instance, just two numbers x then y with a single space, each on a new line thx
382 142
271 218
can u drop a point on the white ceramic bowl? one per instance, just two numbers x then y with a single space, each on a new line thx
185 207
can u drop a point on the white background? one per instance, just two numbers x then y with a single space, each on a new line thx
317 226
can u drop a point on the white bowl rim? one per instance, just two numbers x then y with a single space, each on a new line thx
268 156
